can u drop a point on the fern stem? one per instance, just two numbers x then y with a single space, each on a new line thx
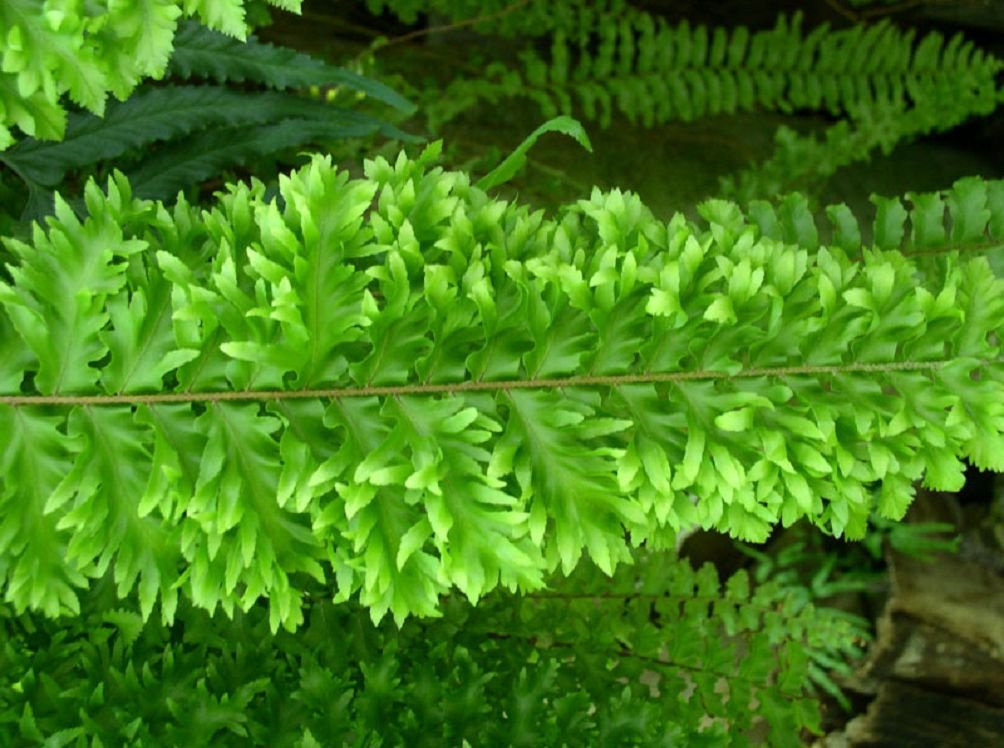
429 389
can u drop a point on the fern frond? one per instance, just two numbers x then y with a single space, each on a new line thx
107 48
964 218
171 111
205 154
654 73
460 392
802 162
632 660
33 114
161 113
201 52
525 18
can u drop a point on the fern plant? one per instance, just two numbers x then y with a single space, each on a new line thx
207 128
313 406
593 661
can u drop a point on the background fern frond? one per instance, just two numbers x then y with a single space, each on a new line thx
206 154
202 52
653 73
164 113
661 653
109 48
217 113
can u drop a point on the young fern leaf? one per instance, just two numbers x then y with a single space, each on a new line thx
459 392
515 161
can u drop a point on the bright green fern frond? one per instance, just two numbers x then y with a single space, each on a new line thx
34 114
136 41
492 392
88 52
37 572
966 217
96 502
58 300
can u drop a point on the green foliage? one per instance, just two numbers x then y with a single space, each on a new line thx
805 161
201 53
408 10
459 392
517 159
165 113
609 57
90 51
315 403
505 18
660 653
652 72
224 126
837 570
920 540
816 571
864 3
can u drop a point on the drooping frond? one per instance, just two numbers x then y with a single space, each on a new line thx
194 159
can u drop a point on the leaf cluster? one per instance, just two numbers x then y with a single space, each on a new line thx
87 52
202 129
660 653
885 84
315 403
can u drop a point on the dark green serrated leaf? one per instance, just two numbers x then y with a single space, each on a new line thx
154 115
201 52
207 154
